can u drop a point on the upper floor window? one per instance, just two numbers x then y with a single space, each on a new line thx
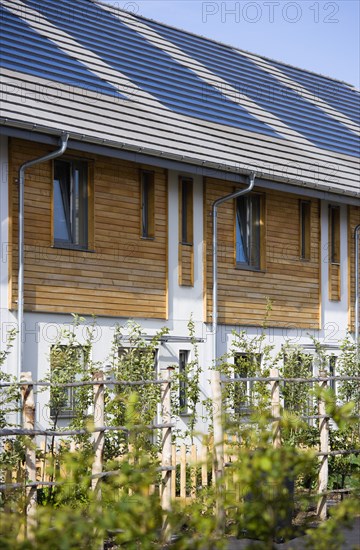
147 205
70 203
305 228
334 234
186 210
248 231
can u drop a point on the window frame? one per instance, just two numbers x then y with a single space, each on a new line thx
332 372
312 368
123 350
77 241
186 211
334 234
69 411
305 229
238 408
261 260
334 253
183 400
147 204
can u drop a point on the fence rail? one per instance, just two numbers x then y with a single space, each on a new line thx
183 468
30 482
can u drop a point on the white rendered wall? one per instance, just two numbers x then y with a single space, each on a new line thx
334 315
185 301
7 318
42 330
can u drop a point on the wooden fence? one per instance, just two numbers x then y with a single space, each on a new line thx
184 469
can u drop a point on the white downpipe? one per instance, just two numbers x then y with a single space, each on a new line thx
214 256
21 180
216 376
357 290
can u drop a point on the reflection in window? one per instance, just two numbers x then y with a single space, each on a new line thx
70 203
248 224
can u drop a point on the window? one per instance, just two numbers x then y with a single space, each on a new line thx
298 396
334 234
334 254
186 232
183 362
137 357
70 203
186 211
305 230
332 372
147 205
248 231
245 366
66 365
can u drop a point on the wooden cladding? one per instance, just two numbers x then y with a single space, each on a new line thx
186 231
353 221
334 253
123 275
291 284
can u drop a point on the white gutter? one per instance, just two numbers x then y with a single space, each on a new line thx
21 180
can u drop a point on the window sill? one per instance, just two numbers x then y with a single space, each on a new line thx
147 238
249 268
63 415
186 244
64 246
185 414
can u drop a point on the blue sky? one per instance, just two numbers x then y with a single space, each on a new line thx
321 36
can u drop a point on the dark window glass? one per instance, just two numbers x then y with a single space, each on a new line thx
147 205
183 361
334 222
248 227
305 230
332 371
71 203
186 209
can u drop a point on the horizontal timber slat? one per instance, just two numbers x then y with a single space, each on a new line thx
292 285
122 274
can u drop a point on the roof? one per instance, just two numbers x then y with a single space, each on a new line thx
112 77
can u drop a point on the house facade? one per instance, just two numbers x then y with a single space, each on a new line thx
160 124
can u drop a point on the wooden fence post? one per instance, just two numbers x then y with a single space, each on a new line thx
204 463
173 473
166 453
183 471
99 437
324 448
216 390
193 474
28 418
275 407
